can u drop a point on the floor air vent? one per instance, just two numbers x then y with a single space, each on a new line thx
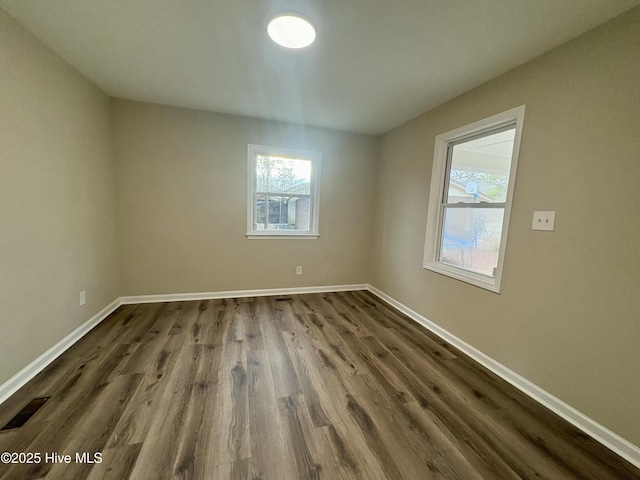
26 413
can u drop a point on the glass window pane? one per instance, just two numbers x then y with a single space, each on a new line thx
285 213
298 213
260 210
480 169
471 238
277 213
283 175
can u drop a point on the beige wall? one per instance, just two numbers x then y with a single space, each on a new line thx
57 205
182 203
568 318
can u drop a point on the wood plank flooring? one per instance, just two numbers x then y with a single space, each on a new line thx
319 386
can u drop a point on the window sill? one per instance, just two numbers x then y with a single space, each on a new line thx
476 279
282 236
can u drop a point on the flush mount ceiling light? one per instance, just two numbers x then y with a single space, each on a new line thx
291 30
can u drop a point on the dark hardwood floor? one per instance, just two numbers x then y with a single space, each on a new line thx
319 386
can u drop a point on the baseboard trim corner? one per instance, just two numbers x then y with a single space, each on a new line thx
12 385
602 434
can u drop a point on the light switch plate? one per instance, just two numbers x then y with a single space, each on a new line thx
544 221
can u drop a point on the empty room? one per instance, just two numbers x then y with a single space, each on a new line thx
309 239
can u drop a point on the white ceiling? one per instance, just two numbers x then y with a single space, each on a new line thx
375 64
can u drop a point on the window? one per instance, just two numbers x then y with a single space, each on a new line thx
472 182
282 193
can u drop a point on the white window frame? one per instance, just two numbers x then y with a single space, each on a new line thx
314 197
435 212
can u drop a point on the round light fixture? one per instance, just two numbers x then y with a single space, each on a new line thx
291 30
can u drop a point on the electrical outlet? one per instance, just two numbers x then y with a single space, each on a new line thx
83 297
544 221
299 270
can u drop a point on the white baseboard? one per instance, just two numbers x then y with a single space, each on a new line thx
12 385
179 297
609 439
